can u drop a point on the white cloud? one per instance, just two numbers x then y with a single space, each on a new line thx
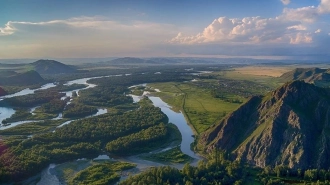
7 30
249 30
318 31
293 26
301 38
298 27
286 2
305 14
82 36
324 6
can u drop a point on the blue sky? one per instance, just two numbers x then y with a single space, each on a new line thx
148 28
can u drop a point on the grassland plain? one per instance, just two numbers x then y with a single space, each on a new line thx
201 109
197 104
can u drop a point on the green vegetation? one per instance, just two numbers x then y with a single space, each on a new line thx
74 110
263 83
33 127
216 170
23 114
32 100
130 128
105 96
55 106
219 170
106 173
84 138
200 108
139 142
173 155
24 78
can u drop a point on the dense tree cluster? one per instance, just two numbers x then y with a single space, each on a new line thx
32 100
63 88
140 78
83 138
106 173
320 176
137 142
74 110
213 172
104 96
54 106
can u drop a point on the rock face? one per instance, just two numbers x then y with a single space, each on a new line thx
289 126
51 67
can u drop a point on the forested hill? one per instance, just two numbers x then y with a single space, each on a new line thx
51 67
26 78
289 126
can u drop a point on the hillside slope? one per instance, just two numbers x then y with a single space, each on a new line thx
289 126
306 74
2 92
26 78
51 67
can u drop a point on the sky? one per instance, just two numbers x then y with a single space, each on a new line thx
278 29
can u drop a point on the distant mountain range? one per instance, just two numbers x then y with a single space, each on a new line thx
289 126
307 74
32 76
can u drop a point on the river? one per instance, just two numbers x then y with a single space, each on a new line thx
176 118
7 112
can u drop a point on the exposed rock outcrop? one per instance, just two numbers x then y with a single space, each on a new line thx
289 126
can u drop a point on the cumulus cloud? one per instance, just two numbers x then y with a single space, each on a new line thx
248 30
286 2
293 26
305 14
324 6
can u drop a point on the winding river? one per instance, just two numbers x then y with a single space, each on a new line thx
176 118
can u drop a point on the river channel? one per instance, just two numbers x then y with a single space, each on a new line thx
176 118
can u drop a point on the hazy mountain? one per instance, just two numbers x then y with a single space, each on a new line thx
51 67
306 74
289 126
131 60
26 78
2 92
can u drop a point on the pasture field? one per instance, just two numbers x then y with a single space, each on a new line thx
199 107
271 71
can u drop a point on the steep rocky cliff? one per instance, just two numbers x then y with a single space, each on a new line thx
289 126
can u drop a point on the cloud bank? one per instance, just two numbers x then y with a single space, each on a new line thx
297 30
81 37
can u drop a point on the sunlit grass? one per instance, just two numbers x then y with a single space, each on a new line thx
199 107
